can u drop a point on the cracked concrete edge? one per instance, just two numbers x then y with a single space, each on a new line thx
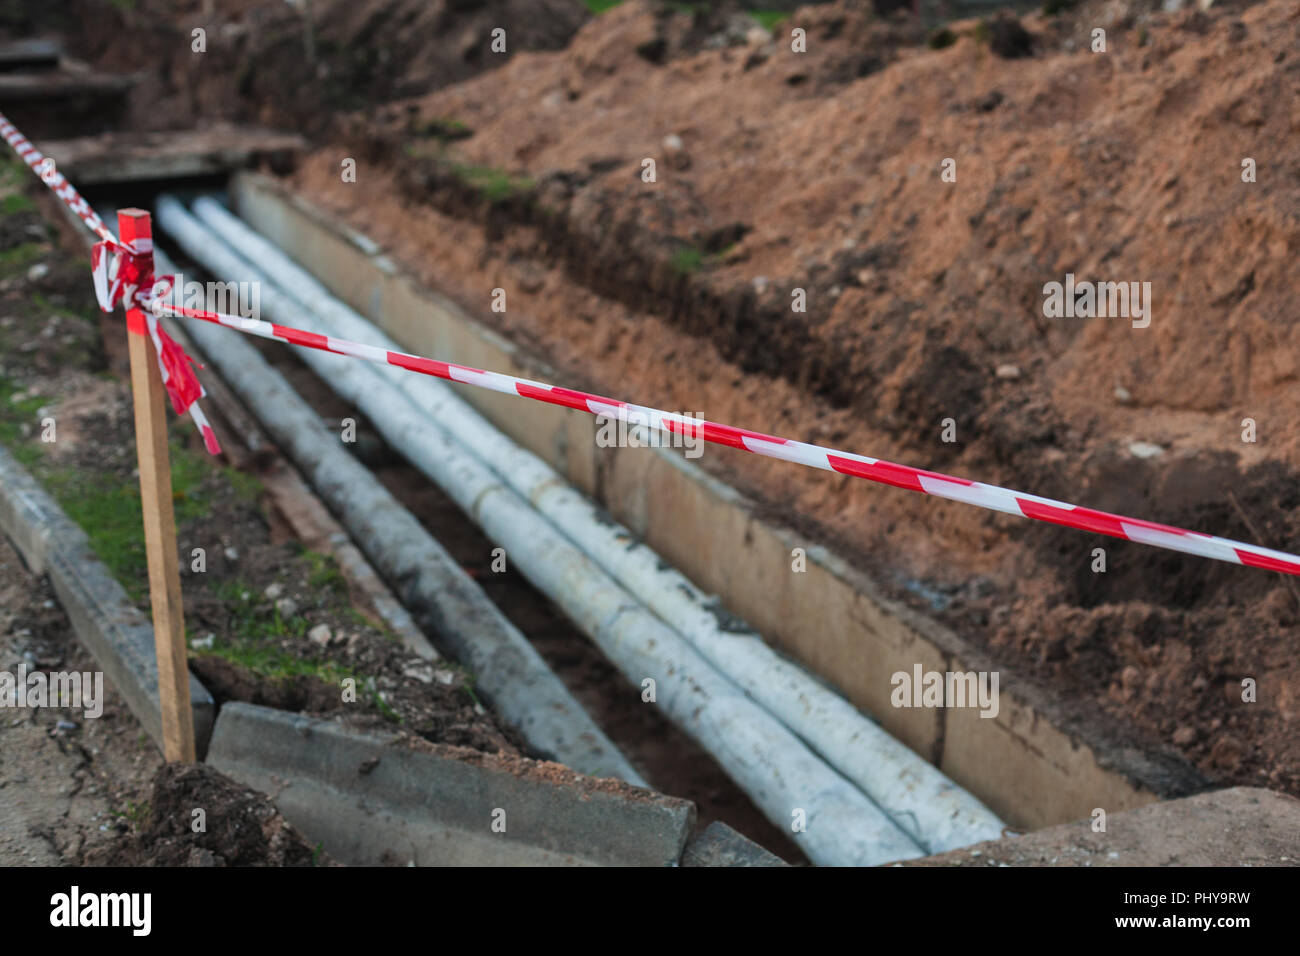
369 798
113 629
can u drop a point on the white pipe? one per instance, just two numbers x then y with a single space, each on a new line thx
920 798
783 777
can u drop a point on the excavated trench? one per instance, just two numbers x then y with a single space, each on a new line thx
1052 751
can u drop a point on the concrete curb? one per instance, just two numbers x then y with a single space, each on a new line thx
370 798
116 633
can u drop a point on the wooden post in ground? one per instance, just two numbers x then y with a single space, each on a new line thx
151 448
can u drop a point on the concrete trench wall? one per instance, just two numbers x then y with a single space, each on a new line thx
1030 764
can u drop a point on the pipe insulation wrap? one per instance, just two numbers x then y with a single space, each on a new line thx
920 798
445 601
779 772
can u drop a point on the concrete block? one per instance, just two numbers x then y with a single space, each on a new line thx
371 798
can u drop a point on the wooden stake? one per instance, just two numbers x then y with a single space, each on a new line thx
159 519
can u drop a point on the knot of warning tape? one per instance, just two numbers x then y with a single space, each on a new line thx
123 273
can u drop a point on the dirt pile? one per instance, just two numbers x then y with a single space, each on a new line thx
199 817
1168 159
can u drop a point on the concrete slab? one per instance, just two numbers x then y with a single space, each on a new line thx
371 799
1243 826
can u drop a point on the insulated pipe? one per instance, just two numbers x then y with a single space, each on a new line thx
920 798
445 601
840 826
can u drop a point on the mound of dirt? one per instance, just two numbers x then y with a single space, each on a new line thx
235 826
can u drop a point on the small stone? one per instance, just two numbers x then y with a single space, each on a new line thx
421 672
1144 449
65 725
201 857
1122 395
367 765
204 643
287 607
1185 736
445 677
760 284
675 152
231 553
273 591
1008 371
38 272
320 635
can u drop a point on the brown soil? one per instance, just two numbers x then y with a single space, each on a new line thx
793 173
241 827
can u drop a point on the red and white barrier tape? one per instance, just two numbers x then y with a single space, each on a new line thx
772 446
121 271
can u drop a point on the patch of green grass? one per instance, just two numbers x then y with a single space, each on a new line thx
15 203
17 258
443 129
273 663
382 706
687 260
109 512
325 574
597 7
494 185
768 19
134 814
